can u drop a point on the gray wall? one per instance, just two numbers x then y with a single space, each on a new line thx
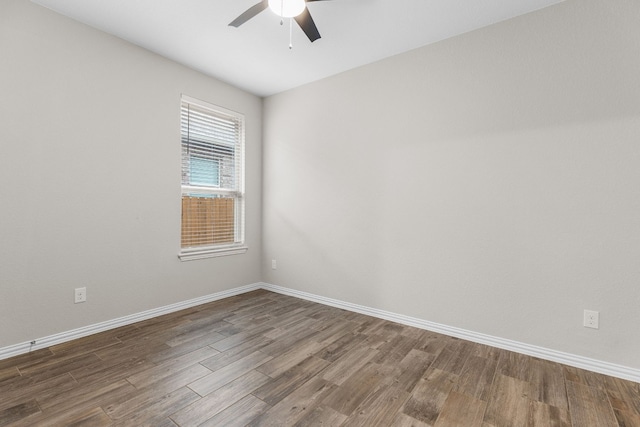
90 177
489 182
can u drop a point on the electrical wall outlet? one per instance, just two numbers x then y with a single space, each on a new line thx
80 295
591 319
274 264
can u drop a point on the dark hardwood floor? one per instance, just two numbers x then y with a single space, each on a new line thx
264 359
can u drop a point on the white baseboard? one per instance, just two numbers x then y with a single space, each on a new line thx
25 347
599 366
576 361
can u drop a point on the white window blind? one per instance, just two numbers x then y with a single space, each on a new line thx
212 141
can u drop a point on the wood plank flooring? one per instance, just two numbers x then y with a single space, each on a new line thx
264 359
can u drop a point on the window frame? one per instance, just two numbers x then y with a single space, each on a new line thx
238 246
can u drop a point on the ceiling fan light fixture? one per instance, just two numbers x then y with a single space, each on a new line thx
287 8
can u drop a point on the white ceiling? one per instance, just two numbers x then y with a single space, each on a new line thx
256 56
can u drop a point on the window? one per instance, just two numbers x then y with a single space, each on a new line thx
204 171
212 180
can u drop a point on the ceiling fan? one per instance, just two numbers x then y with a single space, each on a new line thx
296 9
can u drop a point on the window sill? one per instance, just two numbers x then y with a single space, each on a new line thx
193 254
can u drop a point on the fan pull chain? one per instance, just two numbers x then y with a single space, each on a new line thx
281 12
290 33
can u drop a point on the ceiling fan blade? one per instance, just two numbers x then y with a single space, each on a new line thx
249 13
308 26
